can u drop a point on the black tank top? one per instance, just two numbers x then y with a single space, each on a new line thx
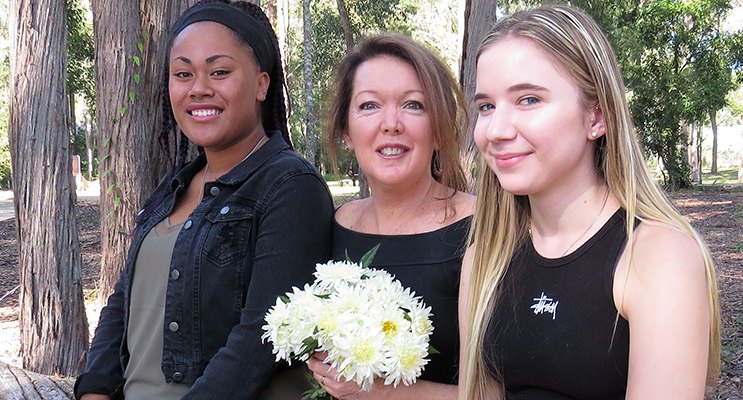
552 334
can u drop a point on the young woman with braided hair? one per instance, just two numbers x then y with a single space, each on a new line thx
223 235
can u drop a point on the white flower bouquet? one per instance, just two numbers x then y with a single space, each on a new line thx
369 325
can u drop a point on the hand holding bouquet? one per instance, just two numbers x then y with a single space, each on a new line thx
367 323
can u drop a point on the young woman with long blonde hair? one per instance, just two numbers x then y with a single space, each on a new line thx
583 281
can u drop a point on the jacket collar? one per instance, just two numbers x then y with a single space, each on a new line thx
242 171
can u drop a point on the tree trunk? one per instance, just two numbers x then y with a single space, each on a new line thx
54 329
713 121
89 143
694 154
346 24
364 190
479 17
71 122
282 26
127 130
740 170
309 151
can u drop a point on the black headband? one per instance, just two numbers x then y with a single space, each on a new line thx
245 25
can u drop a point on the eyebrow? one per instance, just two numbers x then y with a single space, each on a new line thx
526 86
407 92
208 60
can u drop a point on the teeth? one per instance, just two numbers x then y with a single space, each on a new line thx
204 113
389 151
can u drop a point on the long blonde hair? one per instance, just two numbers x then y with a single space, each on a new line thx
501 220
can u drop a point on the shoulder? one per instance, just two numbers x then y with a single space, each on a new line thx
350 212
464 205
665 263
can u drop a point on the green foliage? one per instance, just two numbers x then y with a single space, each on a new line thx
80 54
5 165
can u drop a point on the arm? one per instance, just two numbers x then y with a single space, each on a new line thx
294 234
347 390
492 388
664 296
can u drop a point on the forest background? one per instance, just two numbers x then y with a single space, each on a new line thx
681 60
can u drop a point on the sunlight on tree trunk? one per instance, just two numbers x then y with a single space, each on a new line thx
309 123
54 329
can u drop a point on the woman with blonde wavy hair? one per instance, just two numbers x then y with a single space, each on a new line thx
582 281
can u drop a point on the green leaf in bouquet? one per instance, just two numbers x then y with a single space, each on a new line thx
317 392
323 296
367 259
309 345
348 258
432 350
285 299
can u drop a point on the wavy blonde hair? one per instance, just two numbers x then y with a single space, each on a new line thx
577 44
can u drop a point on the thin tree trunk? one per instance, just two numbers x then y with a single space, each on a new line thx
479 17
89 143
694 154
309 152
346 24
713 121
72 121
54 329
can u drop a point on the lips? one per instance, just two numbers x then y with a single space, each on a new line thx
509 159
391 151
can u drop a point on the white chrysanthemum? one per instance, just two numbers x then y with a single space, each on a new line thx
361 357
420 317
335 274
406 359
367 322
278 330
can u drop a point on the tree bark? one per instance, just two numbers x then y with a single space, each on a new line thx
346 24
696 175
127 130
479 17
713 122
309 134
54 329
89 143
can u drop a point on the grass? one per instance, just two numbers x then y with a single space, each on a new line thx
722 177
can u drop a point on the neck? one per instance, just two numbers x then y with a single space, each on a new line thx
223 161
400 210
562 221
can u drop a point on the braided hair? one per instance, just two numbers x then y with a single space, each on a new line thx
174 144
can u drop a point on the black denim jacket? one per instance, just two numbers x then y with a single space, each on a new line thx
259 230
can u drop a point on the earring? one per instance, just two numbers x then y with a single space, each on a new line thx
592 119
594 134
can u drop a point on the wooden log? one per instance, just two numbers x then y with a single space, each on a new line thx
19 384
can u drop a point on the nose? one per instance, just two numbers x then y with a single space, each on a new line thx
391 123
500 126
201 87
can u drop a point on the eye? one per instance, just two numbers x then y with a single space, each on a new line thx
414 105
485 107
220 72
529 101
367 106
182 74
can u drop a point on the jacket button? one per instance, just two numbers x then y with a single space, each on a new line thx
177 376
214 191
224 210
188 224
173 326
175 274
